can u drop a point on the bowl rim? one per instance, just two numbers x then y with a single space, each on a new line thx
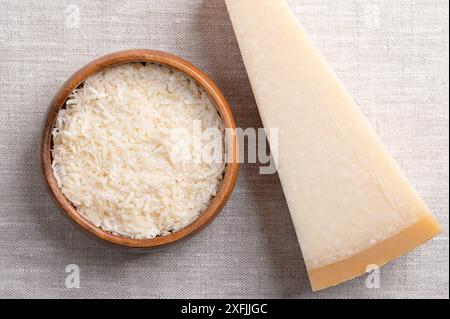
130 56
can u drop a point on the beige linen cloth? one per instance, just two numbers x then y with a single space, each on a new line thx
391 55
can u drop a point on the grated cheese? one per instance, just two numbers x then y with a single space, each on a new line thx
113 154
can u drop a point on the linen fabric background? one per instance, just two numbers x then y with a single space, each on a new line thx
391 55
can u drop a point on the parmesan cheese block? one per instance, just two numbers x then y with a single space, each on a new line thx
350 203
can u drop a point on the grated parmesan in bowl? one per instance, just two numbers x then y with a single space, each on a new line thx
117 159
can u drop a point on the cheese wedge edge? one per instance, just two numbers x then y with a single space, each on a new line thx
350 203
379 255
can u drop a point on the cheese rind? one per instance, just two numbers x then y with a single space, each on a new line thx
379 255
345 192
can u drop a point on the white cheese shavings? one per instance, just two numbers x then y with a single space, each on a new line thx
112 150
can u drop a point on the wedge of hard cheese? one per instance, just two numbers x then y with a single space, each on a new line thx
350 203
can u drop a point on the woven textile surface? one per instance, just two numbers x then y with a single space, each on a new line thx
391 55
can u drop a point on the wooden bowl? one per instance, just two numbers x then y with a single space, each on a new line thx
231 171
